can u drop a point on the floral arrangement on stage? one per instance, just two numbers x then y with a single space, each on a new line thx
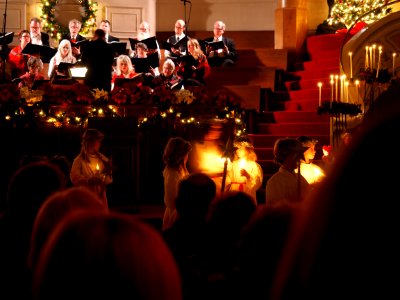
72 105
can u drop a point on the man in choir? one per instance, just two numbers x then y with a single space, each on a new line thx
73 36
106 26
98 58
37 36
179 35
226 56
144 33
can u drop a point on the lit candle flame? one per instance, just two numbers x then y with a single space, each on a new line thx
97 168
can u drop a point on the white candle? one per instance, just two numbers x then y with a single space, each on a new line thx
332 82
351 64
357 86
371 65
379 62
366 57
394 58
346 90
320 91
373 56
336 87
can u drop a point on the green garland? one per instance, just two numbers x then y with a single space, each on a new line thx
56 30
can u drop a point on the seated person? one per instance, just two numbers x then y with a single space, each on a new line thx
64 54
73 36
142 61
223 57
35 66
124 69
194 66
179 35
167 77
17 60
144 33
105 25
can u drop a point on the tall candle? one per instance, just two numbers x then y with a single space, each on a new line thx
373 56
332 82
357 86
366 57
336 87
342 86
371 65
394 58
351 64
379 63
346 90
319 93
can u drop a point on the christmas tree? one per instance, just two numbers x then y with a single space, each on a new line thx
348 12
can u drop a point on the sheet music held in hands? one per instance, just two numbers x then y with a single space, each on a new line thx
215 45
7 38
45 52
150 42
167 46
119 48
79 43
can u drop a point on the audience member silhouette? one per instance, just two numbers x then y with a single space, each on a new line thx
93 255
56 207
344 243
261 244
63 163
227 216
186 236
27 190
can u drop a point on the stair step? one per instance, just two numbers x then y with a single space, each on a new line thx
330 62
307 83
326 42
262 140
295 128
292 117
318 73
308 94
301 105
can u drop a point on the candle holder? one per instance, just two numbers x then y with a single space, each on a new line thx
369 76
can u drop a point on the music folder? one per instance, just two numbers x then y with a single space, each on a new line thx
215 45
7 38
119 48
150 42
45 52
135 79
79 44
63 66
189 60
142 65
167 46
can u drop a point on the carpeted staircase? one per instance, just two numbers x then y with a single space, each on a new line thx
292 110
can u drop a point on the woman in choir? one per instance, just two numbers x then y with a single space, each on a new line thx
167 77
64 54
143 62
17 60
194 67
35 66
124 69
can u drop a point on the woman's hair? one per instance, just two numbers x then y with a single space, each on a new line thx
197 49
34 61
127 60
175 152
247 144
142 45
69 56
91 135
170 63
22 32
